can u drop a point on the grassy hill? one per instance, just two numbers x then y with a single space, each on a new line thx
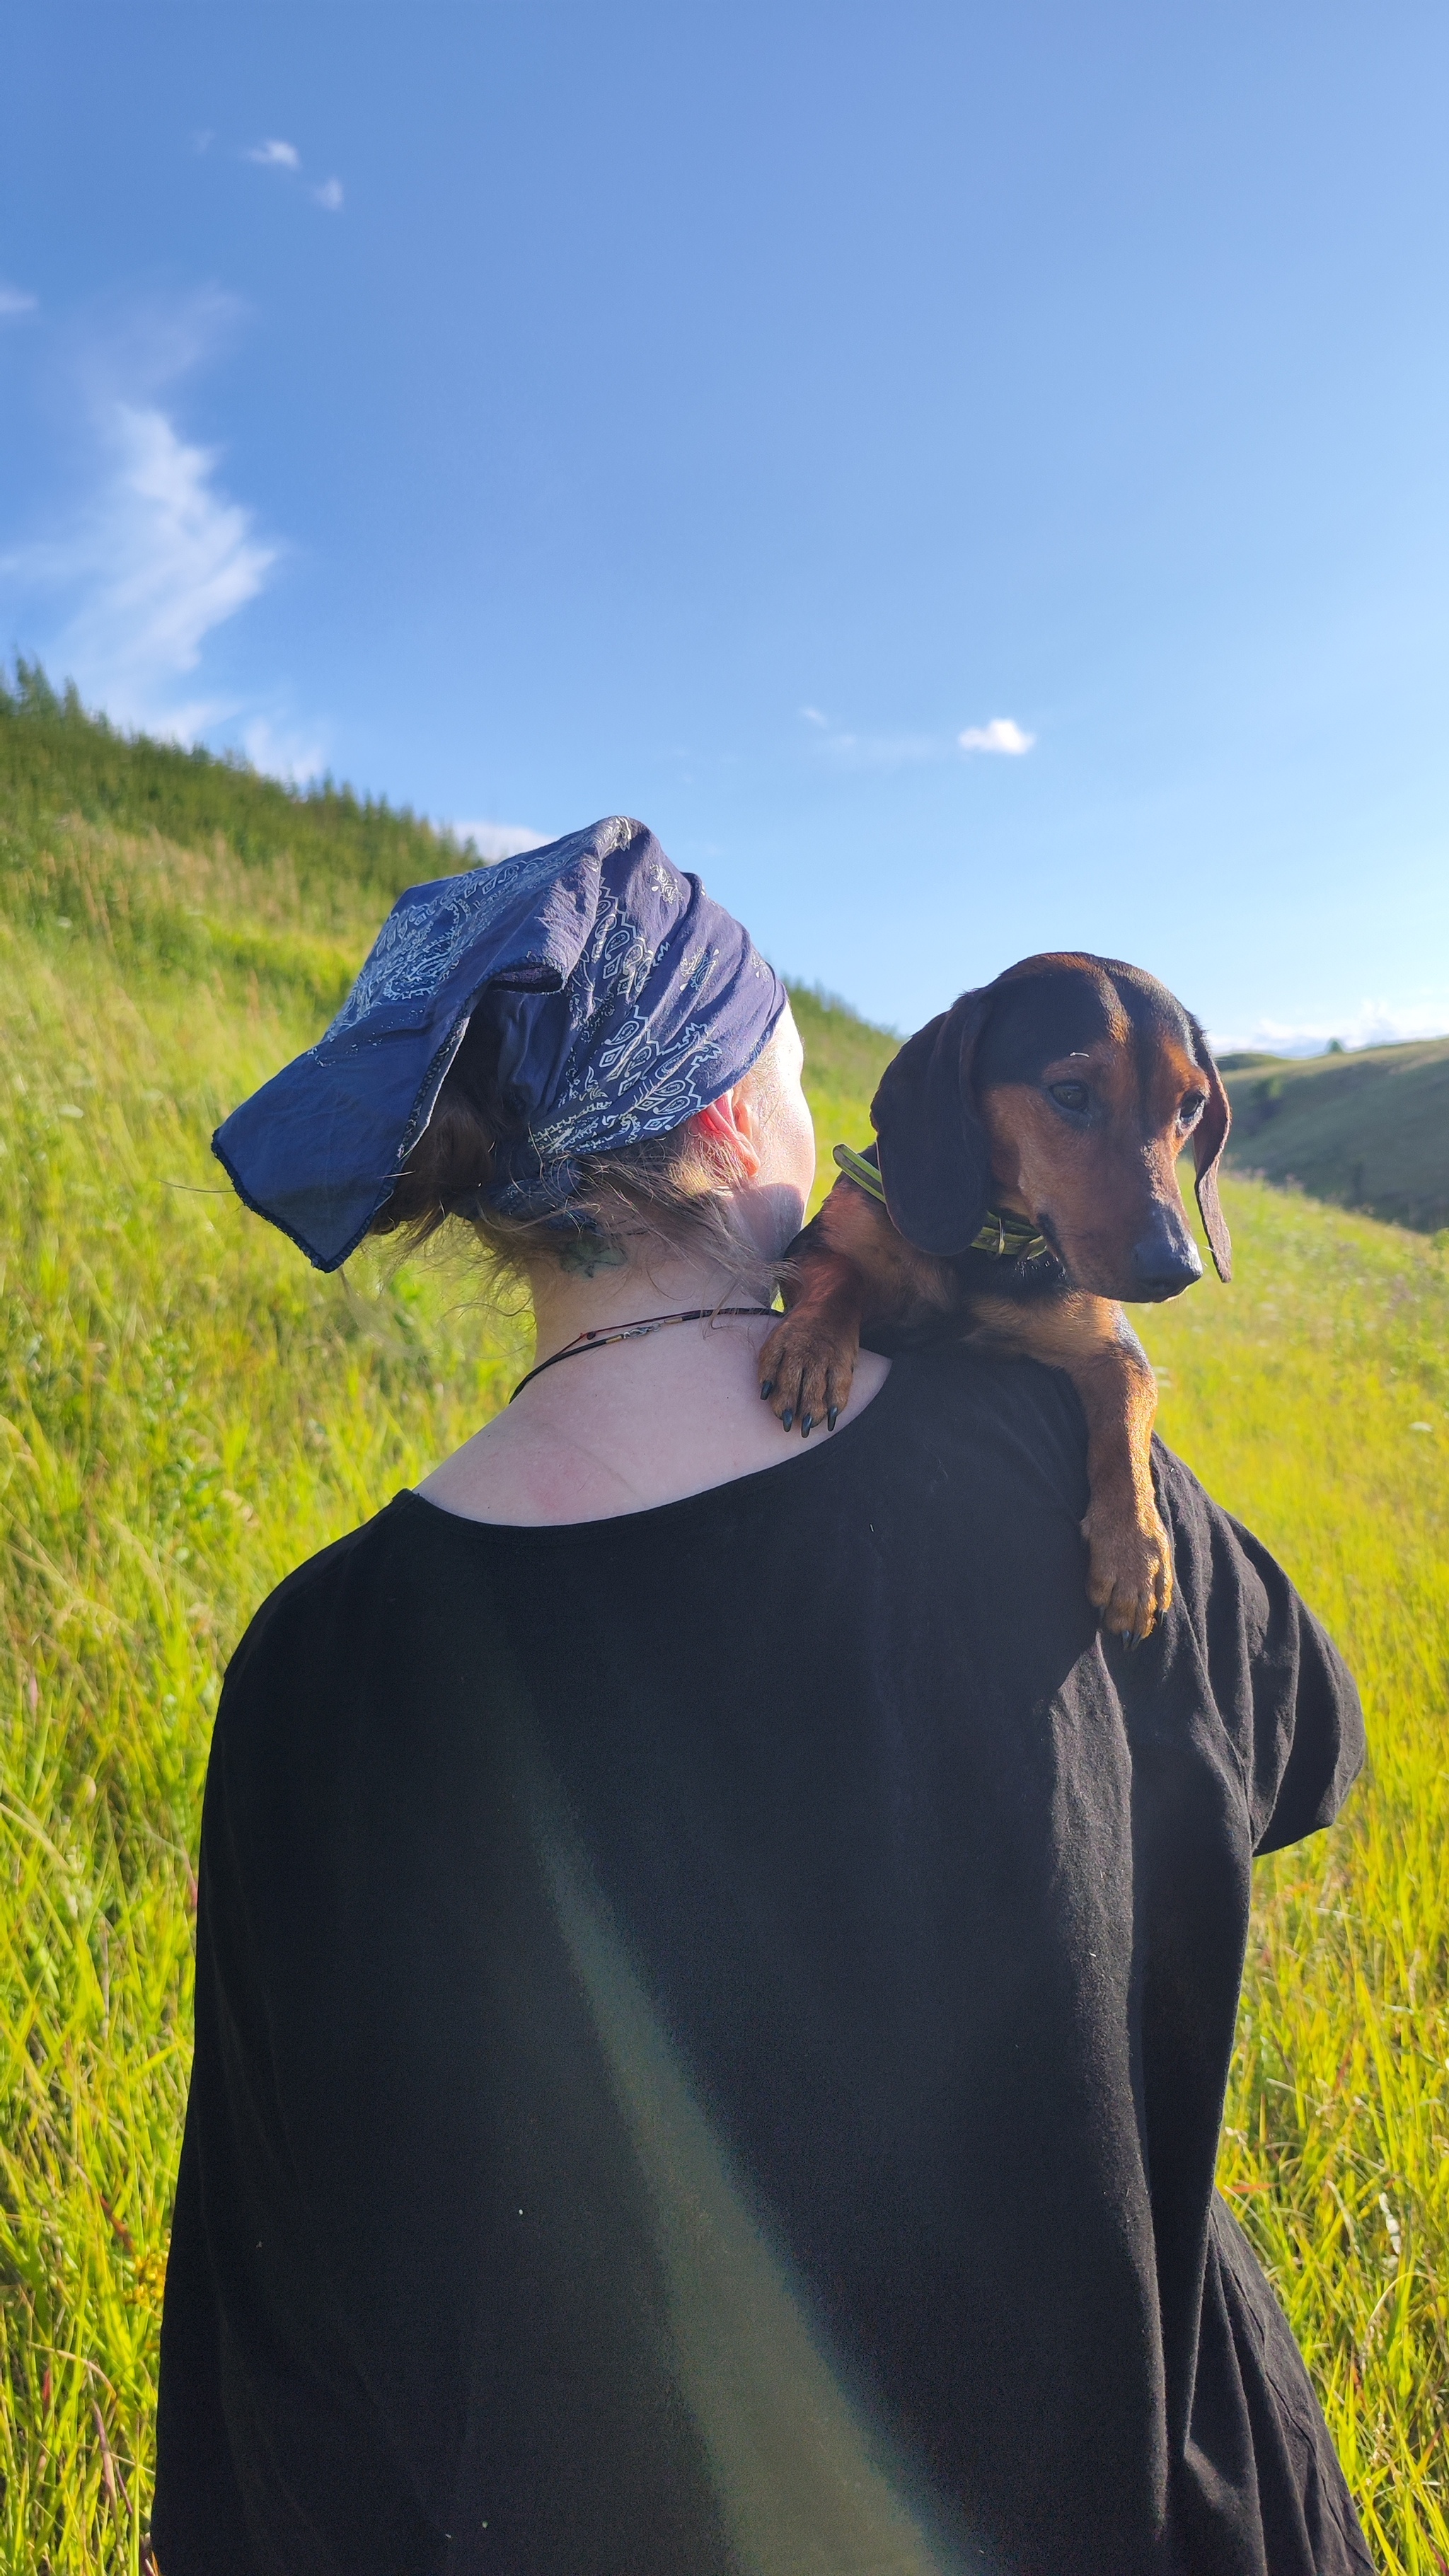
189 1410
1368 1130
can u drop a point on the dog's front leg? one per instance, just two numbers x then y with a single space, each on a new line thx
849 1269
1130 1554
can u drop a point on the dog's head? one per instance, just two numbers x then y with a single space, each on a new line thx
1066 1090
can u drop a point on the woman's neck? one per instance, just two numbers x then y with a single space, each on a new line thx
621 1427
590 1291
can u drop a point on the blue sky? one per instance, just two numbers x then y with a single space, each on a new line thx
973 480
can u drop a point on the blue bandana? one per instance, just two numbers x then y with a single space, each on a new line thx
625 1000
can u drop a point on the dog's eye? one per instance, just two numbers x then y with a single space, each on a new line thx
1070 1095
1192 1109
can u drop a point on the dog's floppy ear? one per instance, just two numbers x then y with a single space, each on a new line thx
934 1162
1209 1137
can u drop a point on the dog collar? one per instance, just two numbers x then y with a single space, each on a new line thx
1006 1238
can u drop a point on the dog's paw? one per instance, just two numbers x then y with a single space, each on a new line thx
1129 1575
807 1368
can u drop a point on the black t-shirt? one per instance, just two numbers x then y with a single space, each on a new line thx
711 2033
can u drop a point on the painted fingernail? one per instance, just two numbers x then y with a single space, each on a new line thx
807 1426
787 1417
767 1390
832 1417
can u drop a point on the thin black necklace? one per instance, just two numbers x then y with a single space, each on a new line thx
602 1334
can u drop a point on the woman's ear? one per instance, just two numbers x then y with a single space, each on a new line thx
729 1125
934 1161
1209 1137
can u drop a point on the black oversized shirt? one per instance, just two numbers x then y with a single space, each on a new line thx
711 2034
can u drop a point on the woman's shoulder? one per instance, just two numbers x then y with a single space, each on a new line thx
314 1587
351 1618
354 1694
321 1636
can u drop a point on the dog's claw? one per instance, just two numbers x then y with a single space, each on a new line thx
1130 1578
807 1364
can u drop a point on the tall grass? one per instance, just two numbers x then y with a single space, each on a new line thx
188 1411
1313 1398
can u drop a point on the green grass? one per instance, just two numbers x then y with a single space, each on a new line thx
189 1410
1365 1130
1312 1397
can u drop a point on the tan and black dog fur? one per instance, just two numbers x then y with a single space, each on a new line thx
1061 1094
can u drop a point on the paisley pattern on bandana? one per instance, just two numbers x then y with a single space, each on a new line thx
624 998
433 928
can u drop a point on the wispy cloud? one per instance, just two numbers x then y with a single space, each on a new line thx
1368 1024
884 750
274 154
836 742
151 562
124 588
15 300
296 757
852 750
494 841
1002 734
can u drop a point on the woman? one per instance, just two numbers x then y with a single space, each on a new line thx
715 1983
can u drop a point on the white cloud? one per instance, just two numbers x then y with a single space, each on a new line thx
330 195
871 750
15 300
494 841
153 564
275 155
1368 1024
281 754
906 750
1002 734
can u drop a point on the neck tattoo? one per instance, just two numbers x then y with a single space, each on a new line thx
587 1253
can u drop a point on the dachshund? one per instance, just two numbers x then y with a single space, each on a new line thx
1023 1181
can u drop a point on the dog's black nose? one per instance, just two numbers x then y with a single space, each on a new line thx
1164 1264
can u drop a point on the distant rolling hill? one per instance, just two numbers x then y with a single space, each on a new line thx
1368 1130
